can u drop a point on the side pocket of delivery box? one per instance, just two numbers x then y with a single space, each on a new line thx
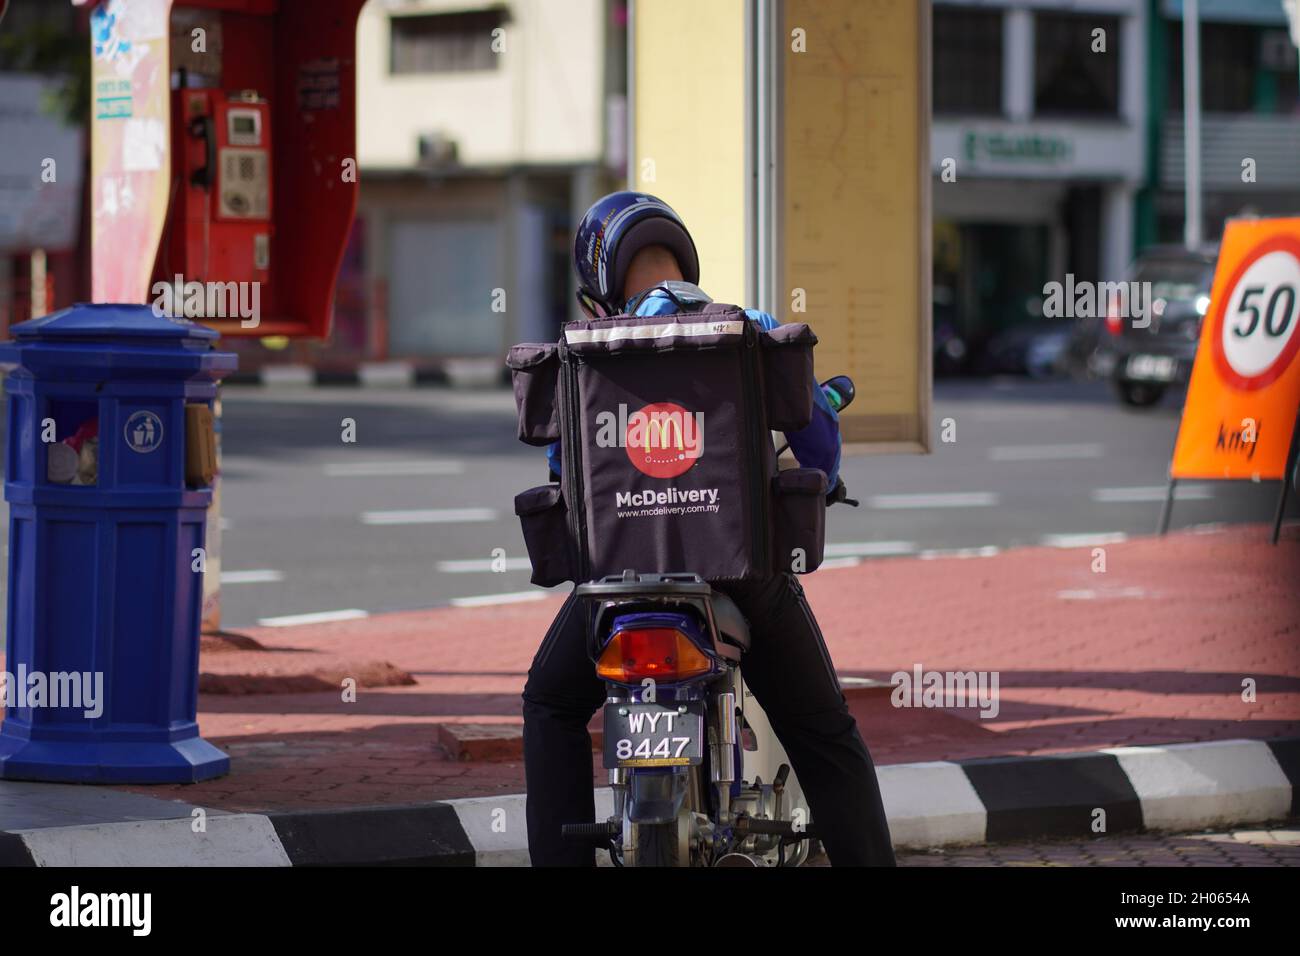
798 519
788 376
543 518
534 373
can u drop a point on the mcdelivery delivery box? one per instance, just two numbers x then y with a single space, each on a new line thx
667 457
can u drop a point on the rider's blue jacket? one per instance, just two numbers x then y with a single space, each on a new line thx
815 446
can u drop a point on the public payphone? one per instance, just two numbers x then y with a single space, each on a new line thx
261 189
222 183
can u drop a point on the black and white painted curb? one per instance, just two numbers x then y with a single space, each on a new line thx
1174 787
464 373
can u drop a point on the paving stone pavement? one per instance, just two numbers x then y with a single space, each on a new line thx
1157 650
1246 847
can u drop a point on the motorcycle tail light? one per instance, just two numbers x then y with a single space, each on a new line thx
1114 324
660 653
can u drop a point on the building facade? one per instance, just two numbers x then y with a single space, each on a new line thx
485 129
1038 150
1057 142
1250 117
483 133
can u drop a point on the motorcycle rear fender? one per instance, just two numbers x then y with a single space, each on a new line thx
614 596
656 796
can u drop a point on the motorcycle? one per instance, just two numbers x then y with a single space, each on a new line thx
686 745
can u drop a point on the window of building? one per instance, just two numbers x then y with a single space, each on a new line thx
1243 68
445 42
967 53
1070 79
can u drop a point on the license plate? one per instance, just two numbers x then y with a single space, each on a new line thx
653 735
1155 368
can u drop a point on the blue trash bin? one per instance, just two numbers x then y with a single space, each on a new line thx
103 547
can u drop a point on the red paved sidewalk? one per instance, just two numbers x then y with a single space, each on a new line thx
1154 650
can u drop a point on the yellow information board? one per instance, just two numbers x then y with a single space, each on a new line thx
688 122
793 138
854 213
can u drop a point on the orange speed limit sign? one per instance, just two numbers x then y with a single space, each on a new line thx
1245 387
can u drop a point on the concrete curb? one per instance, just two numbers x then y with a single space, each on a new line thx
1174 787
458 373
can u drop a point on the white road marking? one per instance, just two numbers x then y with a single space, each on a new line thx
1045 452
1144 493
482 564
429 516
320 617
958 499
1018 414
839 563
1082 540
868 549
1088 594
849 681
393 469
509 597
987 551
262 576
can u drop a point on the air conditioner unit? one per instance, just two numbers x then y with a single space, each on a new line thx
436 149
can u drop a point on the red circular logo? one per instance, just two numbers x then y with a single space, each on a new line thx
1253 325
663 440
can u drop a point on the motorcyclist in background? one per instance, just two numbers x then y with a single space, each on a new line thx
633 255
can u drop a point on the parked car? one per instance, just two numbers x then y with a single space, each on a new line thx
1144 354
950 352
1035 348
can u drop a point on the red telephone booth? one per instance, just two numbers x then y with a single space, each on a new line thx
230 128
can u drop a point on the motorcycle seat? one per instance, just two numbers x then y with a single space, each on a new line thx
732 626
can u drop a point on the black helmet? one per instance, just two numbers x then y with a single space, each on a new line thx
612 232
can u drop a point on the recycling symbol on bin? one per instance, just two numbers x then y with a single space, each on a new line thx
143 432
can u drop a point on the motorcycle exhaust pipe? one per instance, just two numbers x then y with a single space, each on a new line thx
726 737
723 752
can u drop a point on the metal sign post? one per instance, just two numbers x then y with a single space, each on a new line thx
1192 123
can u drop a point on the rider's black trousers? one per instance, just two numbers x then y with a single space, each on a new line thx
788 669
